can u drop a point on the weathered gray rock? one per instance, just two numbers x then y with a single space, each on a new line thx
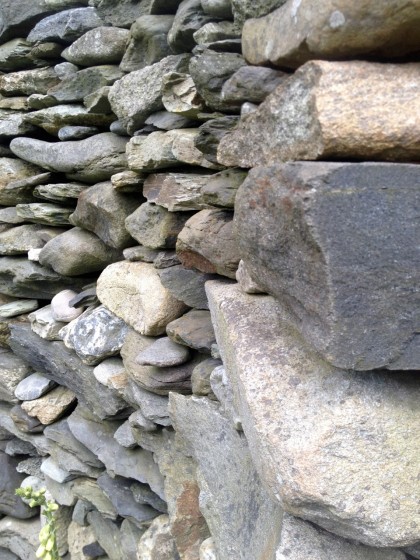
77 132
207 243
102 209
244 520
215 32
211 133
286 127
176 191
138 95
210 70
194 329
63 366
153 226
8 424
50 468
157 542
246 9
79 537
44 325
77 87
13 188
53 119
17 446
163 353
60 192
189 18
217 8
200 377
9 216
312 429
289 38
102 45
12 371
153 407
20 239
20 536
25 423
221 188
31 466
186 285
26 82
10 479
91 160
44 213
165 259
125 12
355 318
124 436
66 26
130 536
98 102
14 55
208 550
128 181
413 550
147 42
107 535
180 95
50 407
95 335
14 104
138 422
141 254
18 307
77 251
33 387
144 495
134 292
130 463
13 123
252 84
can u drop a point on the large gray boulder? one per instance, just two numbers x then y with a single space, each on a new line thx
327 442
353 297
17 18
66 26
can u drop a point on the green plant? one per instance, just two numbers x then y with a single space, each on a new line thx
47 536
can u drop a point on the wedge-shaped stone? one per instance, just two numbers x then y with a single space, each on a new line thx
354 296
329 443
348 110
243 518
44 213
134 292
39 441
298 32
14 55
12 371
92 159
50 407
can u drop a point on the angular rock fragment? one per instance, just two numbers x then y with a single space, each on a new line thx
186 285
339 286
77 132
12 371
111 373
157 542
51 469
66 26
152 406
217 8
221 188
8 418
44 324
176 191
25 423
312 429
20 536
134 292
51 406
44 213
286 126
125 12
27 82
180 95
102 45
13 123
214 33
13 189
20 239
10 479
189 18
252 84
85 85
14 55
53 119
246 9
107 534
211 134
200 377
194 329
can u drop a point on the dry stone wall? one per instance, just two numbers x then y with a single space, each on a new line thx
209 278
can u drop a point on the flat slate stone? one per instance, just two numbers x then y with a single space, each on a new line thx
18 307
54 119
44 213
186 285
10 479
21 239
27 82
194 329
252 84
13 172
163 353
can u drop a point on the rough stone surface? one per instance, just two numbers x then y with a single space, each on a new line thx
138 95
252 84
13 189
33 387
102 209
200 377
20 536
211 133
10 479
54 119
91 160
311 117
21 239
14 55
126 289
246 9
194 329
65 26
102 45
27 82
111 373
243 519
176 191
12 371
186 285
13 123
44 324
339 285
85 84
189 18
51 406
245 281
44 213
180 95
294 34
221 188
61 192
316 435
157 542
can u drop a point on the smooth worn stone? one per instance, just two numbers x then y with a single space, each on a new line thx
186 285
200 377
19 536
252 84
339 286
10 479
137 95
33 387
107 534
25 423
44 325
157 542
77 251
64 367
163 353
180 95
66 26
246 9
54 119
13 188
313 432
128 181
244 520
14 55
153 407
12 371
102 45
207 243
20 239
9 216
140 254
285 127
51 406
102 210
130 463
214 32
211 133
27 82
155 227
194 329
124 436
301 540
44 213
93 159
118 491
50 468
95 335
13 123
217 8
176 191
333 31
77 132
18 307
210 70
111 373
98 102
221 188
189 18
246 283
147 42
61 309
86 297
165 120
79 86
135 293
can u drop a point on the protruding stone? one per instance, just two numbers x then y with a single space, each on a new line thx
61 309
194 329
246 9
200 377
163 353
13 187
180 95
18 307
20 536
186 285
102 45
176 191
27 82
286 127
44 324
134 292
33 387
111 373
44 213
12 371
252 84
217 8
51 406
211 134
245 281
54 119
66 26
215 32
21 239
60 192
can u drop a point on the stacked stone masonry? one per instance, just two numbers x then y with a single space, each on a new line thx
210 278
